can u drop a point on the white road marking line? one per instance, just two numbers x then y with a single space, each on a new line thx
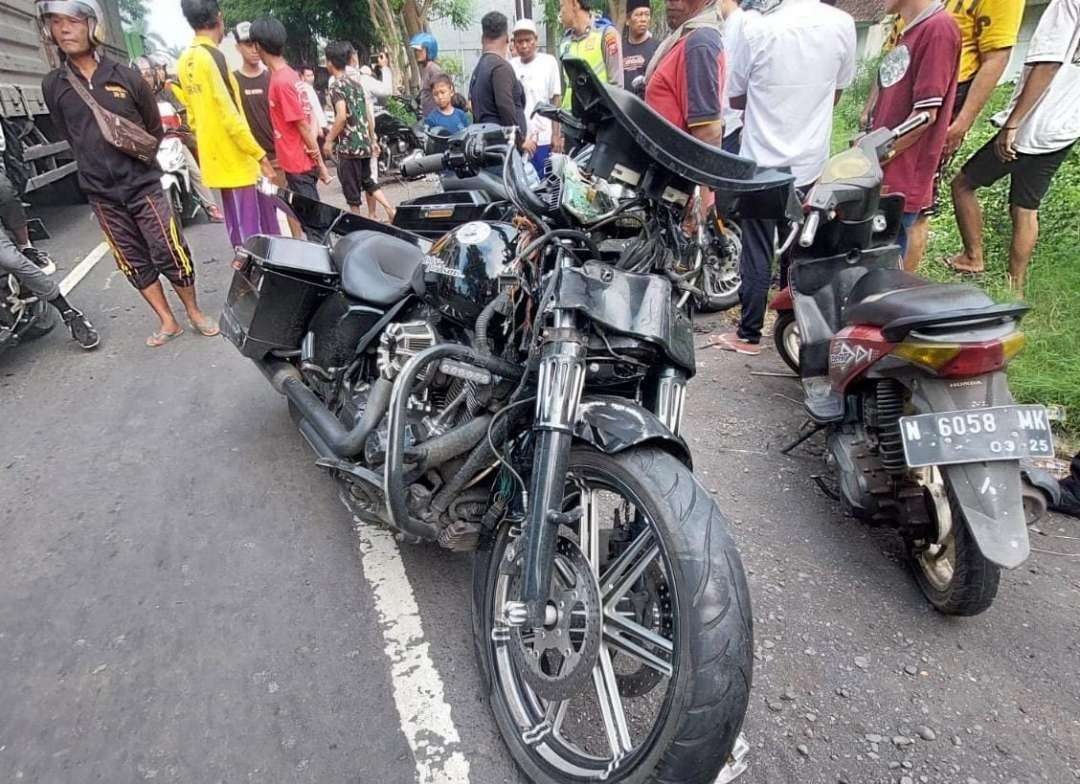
82 269
418 688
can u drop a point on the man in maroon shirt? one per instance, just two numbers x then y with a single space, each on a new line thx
295 134
918 75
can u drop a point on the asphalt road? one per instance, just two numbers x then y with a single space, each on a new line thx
185 599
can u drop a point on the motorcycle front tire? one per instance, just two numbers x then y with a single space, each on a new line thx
710 691
44 323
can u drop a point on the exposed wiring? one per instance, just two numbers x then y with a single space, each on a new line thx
499 455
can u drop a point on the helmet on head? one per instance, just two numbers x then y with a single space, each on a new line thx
90 10
427 42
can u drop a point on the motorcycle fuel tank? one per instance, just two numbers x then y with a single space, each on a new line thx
463 268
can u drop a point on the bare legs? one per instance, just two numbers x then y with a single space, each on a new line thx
154 294
969 220
1025 235
917 237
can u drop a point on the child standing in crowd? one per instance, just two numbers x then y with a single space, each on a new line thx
445 114
295 135
352 134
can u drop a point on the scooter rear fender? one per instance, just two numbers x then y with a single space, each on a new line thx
989 495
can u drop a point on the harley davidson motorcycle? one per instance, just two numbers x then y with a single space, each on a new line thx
516 389
907 378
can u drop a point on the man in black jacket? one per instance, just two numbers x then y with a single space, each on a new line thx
124 192
494 90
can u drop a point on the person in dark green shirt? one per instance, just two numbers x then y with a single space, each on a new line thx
352 134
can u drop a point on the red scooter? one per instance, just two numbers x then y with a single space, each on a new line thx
907 379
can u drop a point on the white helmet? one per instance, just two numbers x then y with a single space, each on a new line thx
90 10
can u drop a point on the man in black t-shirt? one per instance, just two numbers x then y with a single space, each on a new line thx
254 80
638 45
495 93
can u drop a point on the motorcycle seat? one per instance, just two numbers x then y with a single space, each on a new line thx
378 268
880 297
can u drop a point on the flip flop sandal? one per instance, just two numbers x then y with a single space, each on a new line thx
207 329
949 265
159 339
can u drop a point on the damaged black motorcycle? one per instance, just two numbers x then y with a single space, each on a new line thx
516 389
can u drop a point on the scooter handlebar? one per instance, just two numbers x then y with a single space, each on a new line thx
810 228
425 164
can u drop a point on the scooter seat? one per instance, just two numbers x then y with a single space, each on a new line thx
378 268
882 296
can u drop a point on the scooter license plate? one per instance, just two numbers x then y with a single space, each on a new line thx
977 435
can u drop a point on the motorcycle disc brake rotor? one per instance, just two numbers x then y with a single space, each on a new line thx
557 659
650 607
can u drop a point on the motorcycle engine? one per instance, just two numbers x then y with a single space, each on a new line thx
401 342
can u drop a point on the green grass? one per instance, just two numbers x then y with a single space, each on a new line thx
1048 371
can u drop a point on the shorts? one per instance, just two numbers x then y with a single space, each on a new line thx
146 241
304 184
1030 174
356 180
12 213
962 91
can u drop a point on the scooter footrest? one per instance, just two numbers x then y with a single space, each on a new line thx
821 400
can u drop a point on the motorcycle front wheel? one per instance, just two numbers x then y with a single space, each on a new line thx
643 670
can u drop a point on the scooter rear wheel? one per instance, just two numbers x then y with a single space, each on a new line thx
955 576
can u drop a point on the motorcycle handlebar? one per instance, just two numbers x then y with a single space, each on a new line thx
425 164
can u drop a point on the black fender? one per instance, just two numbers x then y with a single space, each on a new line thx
613 425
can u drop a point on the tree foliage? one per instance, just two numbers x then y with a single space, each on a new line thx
308 21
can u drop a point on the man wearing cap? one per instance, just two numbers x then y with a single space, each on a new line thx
539 75
638 45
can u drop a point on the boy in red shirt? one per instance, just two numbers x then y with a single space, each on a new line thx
918 75
295 136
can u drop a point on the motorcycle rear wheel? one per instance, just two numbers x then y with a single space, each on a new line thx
686 556
956 577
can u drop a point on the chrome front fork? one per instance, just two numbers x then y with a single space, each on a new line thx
558 393
669 403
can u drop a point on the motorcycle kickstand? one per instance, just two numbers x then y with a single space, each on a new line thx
818 427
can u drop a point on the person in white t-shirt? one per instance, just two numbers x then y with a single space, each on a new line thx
1037 133
318 113
791 63
734 17
539 75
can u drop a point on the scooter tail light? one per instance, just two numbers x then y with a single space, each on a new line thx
170 122
958 360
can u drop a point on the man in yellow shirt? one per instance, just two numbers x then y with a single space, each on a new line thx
230 157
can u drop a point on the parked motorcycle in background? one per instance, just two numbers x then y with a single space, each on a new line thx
398 141
907 379
517 390
23 316
172 160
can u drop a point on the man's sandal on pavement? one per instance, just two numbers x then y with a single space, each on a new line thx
207 329
160 338
729 341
